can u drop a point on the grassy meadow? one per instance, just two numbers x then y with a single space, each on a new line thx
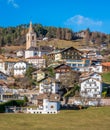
57 43
85 119
106 77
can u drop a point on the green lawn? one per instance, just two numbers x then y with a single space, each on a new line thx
106 77
88 119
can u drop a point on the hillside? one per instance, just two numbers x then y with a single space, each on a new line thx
53 42
17 35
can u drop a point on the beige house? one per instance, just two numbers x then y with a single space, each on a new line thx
38 75
36 61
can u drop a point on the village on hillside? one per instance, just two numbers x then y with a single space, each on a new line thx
49 79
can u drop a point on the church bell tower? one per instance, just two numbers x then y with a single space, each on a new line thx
30 38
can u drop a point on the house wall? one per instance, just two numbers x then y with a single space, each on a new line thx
40 76
20 68
50 106
105 102
29 53
96 68
91 88
9 68
97 76
2 67
20 53
78 63
39 63
57 75
41 53
57 57
53 88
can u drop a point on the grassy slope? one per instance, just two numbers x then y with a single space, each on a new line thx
64 44
106 77
89 119
56 43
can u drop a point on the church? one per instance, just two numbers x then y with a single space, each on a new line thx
32 49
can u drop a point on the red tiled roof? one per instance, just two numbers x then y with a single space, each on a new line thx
35 57
107 64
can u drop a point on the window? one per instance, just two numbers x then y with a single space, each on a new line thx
32 37
74 65
79 64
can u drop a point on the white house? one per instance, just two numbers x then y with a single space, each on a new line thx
49 85
48 98
47 104
91 88
20 68
9 65
36 61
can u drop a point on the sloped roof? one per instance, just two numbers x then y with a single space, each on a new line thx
48 77
59 51
86 74
51 97
41 48
35 57
2 82
107 64
62 66
72 48
3 73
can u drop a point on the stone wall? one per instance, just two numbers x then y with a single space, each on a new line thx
105 101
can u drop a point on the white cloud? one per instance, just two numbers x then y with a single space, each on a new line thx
14 4
82 21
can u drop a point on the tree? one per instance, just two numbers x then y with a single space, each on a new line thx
69 81
29 71
26 99
87 35
58 33
68 34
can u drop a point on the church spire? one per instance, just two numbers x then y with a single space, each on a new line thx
30 27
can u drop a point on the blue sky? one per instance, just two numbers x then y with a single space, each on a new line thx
74 14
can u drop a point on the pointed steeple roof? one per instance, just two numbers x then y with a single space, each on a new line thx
30 27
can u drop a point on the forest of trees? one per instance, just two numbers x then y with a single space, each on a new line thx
95 37
16 35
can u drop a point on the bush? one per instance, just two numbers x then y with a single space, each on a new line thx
18 103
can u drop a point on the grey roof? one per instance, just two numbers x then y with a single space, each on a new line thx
41 48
